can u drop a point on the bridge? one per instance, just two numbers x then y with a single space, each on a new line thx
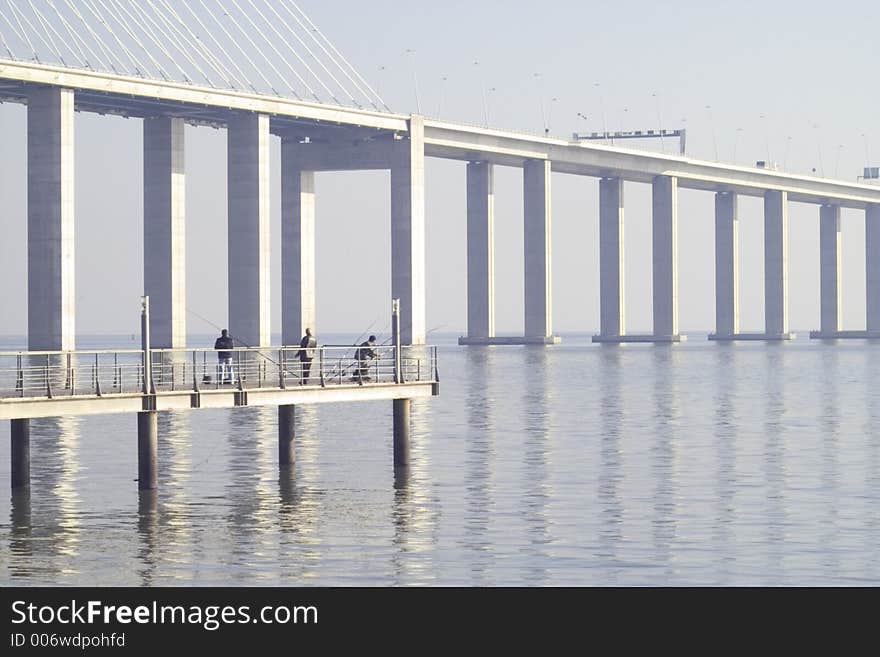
321 133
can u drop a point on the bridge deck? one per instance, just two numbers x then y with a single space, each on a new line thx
141 97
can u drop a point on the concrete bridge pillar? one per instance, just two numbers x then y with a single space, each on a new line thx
829 269
537 251
248 229
165 230
612 290
286 435
408 230
776 265
480 250
148 444
665 257
726 266
297 246
872 266
51 306
20 453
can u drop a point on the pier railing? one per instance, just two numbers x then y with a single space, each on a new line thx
53 374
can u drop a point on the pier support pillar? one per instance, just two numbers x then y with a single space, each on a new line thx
408 231
872 266
829 268
20 444
297 246
612 290
50 189
248 229
776 264
536 247
480 250
286 434
148 441
665 256
726 266
165 230
401 432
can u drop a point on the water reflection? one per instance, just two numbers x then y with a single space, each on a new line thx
727 421
830 437
20 534
664 450
871 505
167 511
299 501
775 475
480 363
537 405
611 421
149 532
252 437
637 465
414 510
55 499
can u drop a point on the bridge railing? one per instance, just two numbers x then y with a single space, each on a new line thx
52 374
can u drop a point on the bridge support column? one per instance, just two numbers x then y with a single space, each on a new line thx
480 252
537 252
248 229
408 231
51 298
612 290
165 230
401 432
829 272
776 265
726 267
148 441
872 267
665 258
20 461
297 246
286 434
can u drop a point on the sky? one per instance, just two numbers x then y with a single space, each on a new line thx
789 82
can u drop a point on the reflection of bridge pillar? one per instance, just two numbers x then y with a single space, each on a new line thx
665 257
480 250
20 437
726 266
148 441
50 219
401 432
536 246
612 289
872 266
776 264
165 230
297 246
408 231
286 434
248 228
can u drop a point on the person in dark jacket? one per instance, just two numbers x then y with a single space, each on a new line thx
364 354
224 344
306 354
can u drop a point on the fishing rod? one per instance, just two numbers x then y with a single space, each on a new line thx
245 344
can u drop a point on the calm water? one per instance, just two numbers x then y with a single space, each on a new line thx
694 464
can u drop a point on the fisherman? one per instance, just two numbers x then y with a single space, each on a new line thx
224 344
306 354
364 354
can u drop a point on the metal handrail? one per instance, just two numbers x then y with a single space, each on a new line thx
105 372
